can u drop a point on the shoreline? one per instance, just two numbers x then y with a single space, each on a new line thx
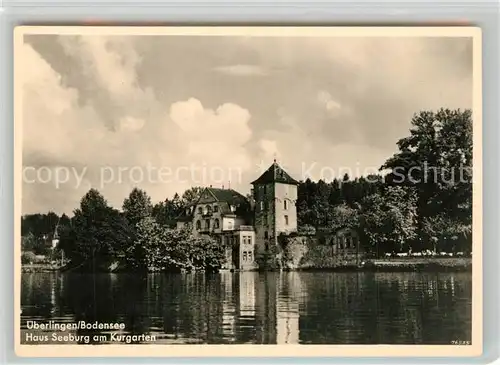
410 264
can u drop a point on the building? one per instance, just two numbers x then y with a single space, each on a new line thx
275 197
228 216
247 226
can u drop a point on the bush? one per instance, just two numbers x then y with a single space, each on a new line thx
306 230
28 257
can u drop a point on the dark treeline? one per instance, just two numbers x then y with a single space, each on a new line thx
422 201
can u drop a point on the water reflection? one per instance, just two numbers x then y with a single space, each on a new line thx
261 308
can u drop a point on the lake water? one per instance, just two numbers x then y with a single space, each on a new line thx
257 308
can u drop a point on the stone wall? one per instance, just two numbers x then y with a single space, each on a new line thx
305 252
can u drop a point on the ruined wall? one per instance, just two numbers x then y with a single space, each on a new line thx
305 252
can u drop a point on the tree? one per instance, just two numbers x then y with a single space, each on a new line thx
191 195
169 249
343 216
320 204
64 221
137 206
165 212
97 231
40 225
30 243
443 233
436 159
148 250
28 257
389 219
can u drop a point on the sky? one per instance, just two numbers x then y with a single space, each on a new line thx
164 113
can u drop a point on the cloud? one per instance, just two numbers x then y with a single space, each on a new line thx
327 101
131 124
216 137
61 130
270 149
127 102
241 70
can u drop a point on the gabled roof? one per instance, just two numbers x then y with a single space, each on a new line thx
229 196
225 198
275 174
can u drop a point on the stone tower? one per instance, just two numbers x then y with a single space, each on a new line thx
275 195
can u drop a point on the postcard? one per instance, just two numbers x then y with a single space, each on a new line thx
248 191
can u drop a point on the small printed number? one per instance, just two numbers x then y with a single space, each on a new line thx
460 342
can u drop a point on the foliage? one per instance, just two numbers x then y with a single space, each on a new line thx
343 216
191 195
166 211
436 159
39 245
39 224
434 162
388 220
306 230
97 231
318 201
170 249
137 206
443 233
28 257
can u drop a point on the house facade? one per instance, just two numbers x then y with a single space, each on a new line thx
227 216
248 227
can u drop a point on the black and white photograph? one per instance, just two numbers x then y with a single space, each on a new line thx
248 186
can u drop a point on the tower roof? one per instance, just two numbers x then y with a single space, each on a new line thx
275 174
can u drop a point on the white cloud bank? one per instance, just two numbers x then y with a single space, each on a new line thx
61 131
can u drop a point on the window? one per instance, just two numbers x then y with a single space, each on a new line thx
216 223
216 208
244 256
200 210
250 256
198 225
265 189
266 205
230 225
265 220
261 205
286 220
266 236
208 209
207 223
267 246
347 240
285 204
